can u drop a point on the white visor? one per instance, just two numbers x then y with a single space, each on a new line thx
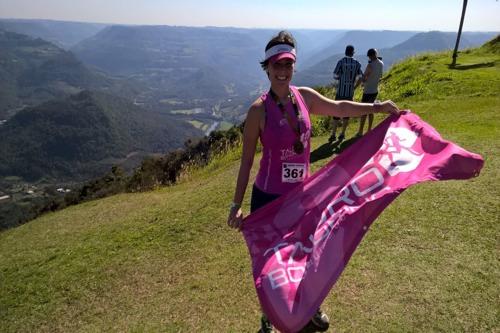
280 48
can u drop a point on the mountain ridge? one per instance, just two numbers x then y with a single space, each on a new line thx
362 40
64 34
34 71
322 72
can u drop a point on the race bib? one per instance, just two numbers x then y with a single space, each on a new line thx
293 172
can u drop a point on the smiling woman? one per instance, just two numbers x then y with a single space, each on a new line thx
280 119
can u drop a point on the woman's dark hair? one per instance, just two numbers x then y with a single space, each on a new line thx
283 37
371 53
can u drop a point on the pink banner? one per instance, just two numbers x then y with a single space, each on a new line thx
301 242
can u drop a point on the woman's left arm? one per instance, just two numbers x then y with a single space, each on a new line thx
319 104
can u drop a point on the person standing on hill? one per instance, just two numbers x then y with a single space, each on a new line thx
371 78
280 119
347 72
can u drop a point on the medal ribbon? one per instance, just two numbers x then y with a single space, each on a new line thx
296 129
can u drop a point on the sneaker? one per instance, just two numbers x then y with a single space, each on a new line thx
320 321
341 137
265 325
358 135
332 138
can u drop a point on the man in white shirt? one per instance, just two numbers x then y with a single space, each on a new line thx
371 78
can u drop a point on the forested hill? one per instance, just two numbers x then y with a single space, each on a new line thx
33 71
186 62
81 136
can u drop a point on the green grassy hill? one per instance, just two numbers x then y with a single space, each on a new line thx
165 261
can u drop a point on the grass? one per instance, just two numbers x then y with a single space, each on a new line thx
165 261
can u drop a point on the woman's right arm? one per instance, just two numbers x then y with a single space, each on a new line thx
250 137
319 104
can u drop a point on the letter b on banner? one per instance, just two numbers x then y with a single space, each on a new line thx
281 276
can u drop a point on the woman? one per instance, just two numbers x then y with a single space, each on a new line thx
371 78
280 118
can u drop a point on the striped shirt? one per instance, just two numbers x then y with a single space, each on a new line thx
346 71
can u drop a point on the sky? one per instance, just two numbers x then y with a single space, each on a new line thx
421 15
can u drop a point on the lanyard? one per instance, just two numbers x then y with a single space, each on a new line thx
296 129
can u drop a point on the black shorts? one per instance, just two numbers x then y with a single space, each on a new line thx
369 98
342 98
260 198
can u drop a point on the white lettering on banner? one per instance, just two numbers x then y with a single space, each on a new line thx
396 155
325 229
329 209
281 276
298 247
278 278
295 277
377 174
276 250
329 219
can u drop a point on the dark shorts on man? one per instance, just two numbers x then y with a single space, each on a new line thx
369 98
260 198
342 98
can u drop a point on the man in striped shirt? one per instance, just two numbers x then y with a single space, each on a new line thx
347 72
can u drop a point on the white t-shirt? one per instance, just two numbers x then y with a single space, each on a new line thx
371 84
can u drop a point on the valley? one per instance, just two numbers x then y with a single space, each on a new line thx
77 99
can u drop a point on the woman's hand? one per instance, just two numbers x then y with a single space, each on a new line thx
386 107
235 218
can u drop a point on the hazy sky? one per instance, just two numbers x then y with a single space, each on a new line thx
421 15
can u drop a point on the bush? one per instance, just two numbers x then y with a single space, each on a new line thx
320 125
166 170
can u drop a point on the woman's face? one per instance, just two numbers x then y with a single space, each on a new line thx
281 71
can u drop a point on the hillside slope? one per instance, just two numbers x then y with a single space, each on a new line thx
185 63
362 41
165 261
82 136
64 34
34 71
321 72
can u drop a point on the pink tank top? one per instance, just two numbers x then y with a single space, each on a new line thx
281 168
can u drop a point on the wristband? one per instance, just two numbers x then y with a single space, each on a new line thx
377 106
234 205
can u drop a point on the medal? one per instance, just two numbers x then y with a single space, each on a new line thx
298 147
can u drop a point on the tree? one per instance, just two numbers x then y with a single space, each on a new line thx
455 51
